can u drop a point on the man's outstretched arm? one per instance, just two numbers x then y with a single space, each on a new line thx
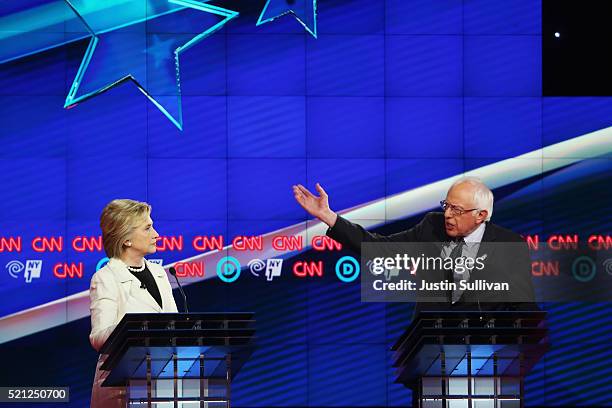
347 233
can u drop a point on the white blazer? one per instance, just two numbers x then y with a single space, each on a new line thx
114 291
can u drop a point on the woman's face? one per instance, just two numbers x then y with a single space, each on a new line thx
143 237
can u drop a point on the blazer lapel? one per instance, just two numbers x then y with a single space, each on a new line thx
489 236
136 291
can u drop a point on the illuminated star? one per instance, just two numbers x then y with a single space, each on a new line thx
159 50
304 11
129 42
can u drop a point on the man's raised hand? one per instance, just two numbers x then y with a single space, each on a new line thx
316 206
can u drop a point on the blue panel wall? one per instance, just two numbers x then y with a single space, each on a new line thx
392 95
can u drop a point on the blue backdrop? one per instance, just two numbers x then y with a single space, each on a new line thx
392 95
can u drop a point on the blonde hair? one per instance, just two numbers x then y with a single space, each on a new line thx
117 221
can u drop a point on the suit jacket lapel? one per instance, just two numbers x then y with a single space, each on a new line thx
487 246
489 234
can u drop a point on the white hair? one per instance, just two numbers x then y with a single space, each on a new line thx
483 196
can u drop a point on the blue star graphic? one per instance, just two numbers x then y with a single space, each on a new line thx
304 11
159 50
134 41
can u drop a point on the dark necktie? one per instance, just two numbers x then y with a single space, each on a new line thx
457 250
454 296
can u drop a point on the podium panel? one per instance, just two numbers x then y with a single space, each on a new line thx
468 359
176 360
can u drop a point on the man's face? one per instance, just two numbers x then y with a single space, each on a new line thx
462 196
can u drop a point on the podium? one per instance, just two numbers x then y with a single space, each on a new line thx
469 359
176 359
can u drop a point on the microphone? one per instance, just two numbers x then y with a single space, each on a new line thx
173 273
142 285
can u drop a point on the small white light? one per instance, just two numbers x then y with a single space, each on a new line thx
557 34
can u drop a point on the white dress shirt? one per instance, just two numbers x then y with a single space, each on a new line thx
470 250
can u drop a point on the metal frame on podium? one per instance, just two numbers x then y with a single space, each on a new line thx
167 359
469 359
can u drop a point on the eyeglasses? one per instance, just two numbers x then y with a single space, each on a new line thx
455 211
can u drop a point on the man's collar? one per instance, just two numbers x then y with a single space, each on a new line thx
476 235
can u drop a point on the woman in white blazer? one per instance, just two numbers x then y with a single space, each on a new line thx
127 284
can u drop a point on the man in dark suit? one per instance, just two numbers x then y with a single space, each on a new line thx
463 229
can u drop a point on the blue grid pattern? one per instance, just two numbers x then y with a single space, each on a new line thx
392 95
